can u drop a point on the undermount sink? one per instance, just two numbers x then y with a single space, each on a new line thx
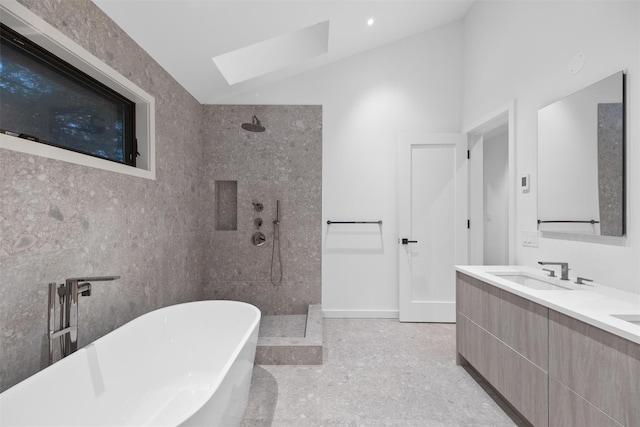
532 282
631 318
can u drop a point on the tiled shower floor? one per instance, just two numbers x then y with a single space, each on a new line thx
376 372
292 325
291 339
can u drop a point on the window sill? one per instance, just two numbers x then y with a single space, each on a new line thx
14 143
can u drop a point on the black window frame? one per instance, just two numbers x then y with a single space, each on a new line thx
68 71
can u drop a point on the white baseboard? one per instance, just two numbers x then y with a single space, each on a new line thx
360 314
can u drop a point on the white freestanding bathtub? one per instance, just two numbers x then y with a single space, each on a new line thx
184 365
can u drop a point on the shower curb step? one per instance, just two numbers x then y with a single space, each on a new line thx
305 350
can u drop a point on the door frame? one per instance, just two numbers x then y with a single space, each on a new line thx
502 115
405 140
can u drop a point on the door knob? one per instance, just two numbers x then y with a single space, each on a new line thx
406 241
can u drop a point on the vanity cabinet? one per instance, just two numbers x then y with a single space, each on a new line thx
505 338
593 373
555 370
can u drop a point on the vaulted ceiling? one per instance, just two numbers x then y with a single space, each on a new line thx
262 41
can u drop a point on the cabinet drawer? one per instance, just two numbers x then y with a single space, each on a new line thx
518 322
567 409
521 382
602 368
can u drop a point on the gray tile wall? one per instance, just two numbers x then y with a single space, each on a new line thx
283 163
61 220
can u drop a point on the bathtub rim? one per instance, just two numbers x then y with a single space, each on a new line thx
254 327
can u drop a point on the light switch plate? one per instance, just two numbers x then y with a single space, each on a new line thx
530 238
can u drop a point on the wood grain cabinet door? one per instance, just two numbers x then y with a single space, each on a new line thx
567 409
521 324
505 338
601 368
521 382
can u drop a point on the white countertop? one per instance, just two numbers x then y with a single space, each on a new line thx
593 303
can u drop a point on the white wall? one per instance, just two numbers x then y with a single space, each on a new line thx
413 85
521 50
508 50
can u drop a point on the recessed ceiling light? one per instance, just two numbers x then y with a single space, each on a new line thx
370 21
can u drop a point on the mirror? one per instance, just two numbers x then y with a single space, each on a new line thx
581 161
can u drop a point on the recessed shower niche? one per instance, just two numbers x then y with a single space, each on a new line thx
226 195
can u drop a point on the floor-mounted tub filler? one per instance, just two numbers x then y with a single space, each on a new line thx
183 365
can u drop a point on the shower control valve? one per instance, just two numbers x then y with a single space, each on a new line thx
258 238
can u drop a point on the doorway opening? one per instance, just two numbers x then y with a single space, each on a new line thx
491 190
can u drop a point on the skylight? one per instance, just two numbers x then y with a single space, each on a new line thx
274 54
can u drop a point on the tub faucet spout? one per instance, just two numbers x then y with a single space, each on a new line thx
564 268
75 287
69 293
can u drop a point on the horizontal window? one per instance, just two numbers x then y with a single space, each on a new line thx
47 100
121 119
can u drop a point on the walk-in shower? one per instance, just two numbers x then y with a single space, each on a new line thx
254 126
274 152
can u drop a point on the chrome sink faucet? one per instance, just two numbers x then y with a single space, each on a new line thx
564 268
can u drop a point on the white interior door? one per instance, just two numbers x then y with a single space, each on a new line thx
429 222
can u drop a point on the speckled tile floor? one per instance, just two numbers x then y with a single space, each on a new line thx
376 372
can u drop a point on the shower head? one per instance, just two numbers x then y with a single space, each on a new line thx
254 126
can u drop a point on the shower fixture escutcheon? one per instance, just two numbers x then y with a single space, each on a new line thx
258 238
254 126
